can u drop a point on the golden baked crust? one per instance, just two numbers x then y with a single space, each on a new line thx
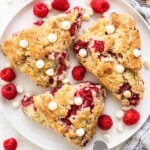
110 56
68 117
55 55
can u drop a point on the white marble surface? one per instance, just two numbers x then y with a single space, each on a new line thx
7 10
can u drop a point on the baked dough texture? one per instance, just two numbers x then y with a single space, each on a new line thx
37 46
68 117
113 48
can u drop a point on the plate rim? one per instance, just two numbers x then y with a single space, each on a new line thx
12 124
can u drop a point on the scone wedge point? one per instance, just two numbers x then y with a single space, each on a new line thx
71 110
111 50
42 52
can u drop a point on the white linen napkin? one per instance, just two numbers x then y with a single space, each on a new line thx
141 139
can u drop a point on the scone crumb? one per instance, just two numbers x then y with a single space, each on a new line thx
86 17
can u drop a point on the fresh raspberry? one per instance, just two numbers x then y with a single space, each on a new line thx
125 86
98 46
10 144
80 44
9 91
7 74
39 22
105 122
100 6
131 117
78 73
61 5
40 9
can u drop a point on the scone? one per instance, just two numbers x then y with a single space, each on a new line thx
42 52
71 110
110 49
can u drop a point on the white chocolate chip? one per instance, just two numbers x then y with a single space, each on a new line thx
52 38
83 52
23 43
136 52
110 29
40 64
146 64
20 89
120 68
16 104
78 101
119 114
90 11
65 81
106 137
52 105
80 132
126 108
127 94
28 94
50 72
120 127
48 5
86 17
66 25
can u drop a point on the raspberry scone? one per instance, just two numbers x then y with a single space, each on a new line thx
71 110
110 49
42 52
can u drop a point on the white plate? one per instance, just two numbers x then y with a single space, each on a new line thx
46 138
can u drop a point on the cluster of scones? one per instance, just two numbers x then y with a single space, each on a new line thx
109 49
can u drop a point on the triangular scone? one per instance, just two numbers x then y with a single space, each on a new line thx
72 110
42 52
110 49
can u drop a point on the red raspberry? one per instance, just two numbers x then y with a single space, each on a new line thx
9 91
61 5
7 74
40 9
78 73
100 6
105 122
39 22
10 144
131 117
